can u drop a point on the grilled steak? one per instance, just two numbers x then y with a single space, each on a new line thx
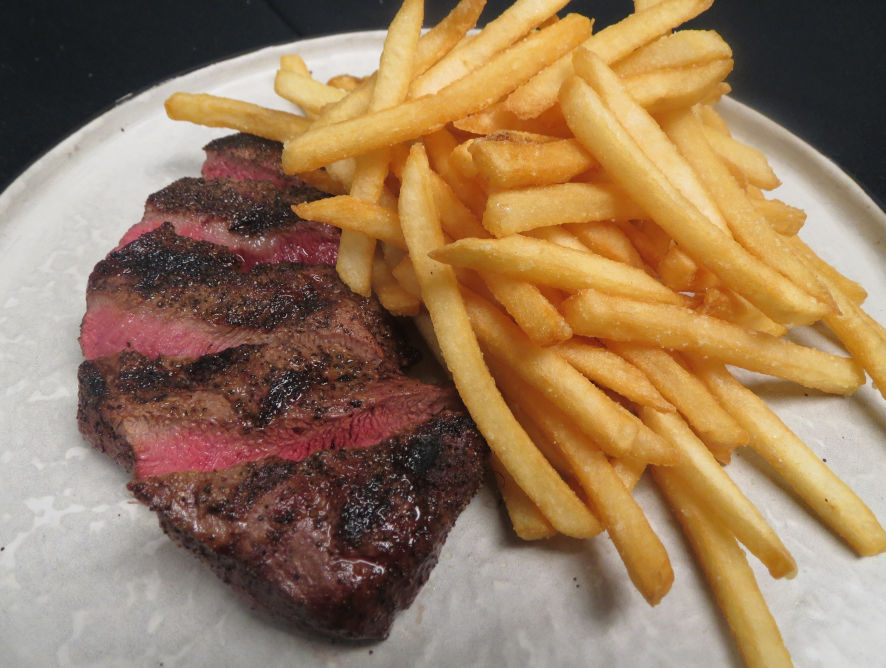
261 405
338 542
164 294
159 415
252 218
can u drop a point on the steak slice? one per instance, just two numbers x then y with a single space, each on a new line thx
252 218
337 543
164 294
155 416
247 157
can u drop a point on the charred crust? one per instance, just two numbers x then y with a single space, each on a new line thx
250 208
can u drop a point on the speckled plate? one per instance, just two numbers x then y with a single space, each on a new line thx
87 578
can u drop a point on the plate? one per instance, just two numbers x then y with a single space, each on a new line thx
87 578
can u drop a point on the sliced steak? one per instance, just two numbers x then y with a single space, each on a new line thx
155 416
247 157
164 294
338 542
252 218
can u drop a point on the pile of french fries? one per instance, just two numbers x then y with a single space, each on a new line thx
585 246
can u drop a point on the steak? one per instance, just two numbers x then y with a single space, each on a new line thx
336 543
252 218
155 416
261 406
164 294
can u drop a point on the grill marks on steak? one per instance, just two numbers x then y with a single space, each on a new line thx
252 218
245 403
336 543
164 294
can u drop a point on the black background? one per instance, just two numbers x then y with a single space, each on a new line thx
813 66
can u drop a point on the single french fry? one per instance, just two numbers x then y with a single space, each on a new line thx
700 473
457 219
345 82
440 39
545 263
305 91
292 62
512 24
513 211
784 218
729 576
711 118
593 313
440 293
616 431
678 49
679 88
751 162
609 240
629 471
854 290
713 424
528 521
524 302
350 213
558 234
600 132
638 546
404 272
802 469
471 93
509 164
389 291
223 112
726 305
613 371
496 118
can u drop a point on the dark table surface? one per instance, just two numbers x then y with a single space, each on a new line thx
813 66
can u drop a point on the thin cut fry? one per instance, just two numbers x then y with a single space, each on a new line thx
546 263
223 112
514 211
350 213
528 521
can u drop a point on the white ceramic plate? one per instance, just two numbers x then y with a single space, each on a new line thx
87 578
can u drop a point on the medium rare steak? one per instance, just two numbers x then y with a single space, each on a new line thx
164 294
252 218
154 416
338 542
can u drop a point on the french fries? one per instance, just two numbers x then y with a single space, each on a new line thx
584 245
